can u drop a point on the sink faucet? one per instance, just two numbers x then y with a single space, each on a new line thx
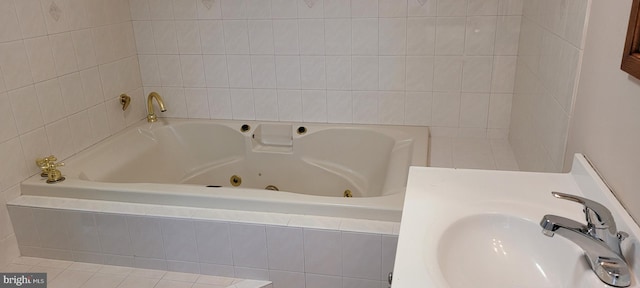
151 116
599 239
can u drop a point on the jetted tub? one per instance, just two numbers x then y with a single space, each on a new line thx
239 165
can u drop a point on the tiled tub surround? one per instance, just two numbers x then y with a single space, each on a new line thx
549 62
63 64
290 250
449 64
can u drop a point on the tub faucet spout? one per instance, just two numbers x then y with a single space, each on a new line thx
601 246
151 116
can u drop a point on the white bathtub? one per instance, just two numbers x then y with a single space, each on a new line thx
192 162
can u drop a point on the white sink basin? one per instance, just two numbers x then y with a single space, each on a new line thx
504 251
475 228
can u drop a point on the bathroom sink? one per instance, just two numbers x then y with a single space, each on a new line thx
505 251
478 228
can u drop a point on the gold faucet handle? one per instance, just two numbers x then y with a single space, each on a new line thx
48 164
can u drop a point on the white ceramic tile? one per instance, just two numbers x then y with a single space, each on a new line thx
215 280
164 36
146 237
138 282
365 106
314 106
420 72
285 249
339 107
216 270
219 103
115 117
258 9
338 69
510 7
8 127
392 8
266 104
100 280
239 67
476 74
389 245
322 252
236 36
212 36
213 242
474 110
473 153
249 244
234 9
288 72
71 279
418 106
290 105
23 222
192 71
83 233
482 7
480 35
60 139
251 273
161 9
113 233
421 35
179 240
174 98
364 8
170 70
30 16
33 148
312 72
72 93
452 8
80 126
10 29
261 36
197 102
285 37
392 73
15 65
188 36
422 8
310 9
53 10
311 36
284 8
337 8
447 73
50 100
185 9
263 71
361 256
445 109
215 68
64 53
320 281
392 36
450 35
52 228
364 72
576 15
391 106
287 279
364 36
99 121
337 36
507 35
504 71
209 9
40 58
242 104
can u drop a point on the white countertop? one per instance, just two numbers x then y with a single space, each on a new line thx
437 197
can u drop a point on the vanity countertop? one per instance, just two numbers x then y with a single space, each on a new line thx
437 198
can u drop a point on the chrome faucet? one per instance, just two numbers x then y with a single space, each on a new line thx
151 116
599 239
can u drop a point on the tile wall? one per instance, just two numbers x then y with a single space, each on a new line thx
449 64
287 255
63 63
549 58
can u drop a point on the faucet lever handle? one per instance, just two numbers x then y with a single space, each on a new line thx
597 215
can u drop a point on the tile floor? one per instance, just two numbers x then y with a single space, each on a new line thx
66 274
474 153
